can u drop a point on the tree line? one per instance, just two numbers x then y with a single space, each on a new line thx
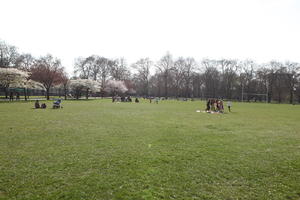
243 80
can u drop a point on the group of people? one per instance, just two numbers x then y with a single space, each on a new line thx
124 99
216 105
38 105
56 104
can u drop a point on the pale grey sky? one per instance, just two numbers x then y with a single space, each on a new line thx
238 29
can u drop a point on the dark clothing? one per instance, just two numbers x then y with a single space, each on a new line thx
37 105
208 106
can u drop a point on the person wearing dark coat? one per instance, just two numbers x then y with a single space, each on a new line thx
37 104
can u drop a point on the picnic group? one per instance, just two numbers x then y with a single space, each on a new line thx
216 106
56 104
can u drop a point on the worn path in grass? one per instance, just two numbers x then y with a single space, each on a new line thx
100 150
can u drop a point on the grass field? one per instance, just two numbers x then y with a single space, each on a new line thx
99 150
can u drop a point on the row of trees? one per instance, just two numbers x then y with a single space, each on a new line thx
168 77
44 73
184 77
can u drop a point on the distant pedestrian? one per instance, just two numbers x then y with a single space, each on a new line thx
18 96
156 100
229 105
137 100
11 96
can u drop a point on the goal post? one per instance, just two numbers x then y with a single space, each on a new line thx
257 97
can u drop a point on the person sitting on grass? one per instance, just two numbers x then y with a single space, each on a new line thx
43 106
37 104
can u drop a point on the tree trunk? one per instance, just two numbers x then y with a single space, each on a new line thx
166 88
47 93
6 93
25 94
187 95
159 90
279 96
270 96
87 94
291 96
65 94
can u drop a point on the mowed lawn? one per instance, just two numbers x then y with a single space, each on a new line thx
97 149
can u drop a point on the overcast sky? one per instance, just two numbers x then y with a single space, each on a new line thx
259 29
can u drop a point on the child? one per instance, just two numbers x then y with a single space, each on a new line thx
229 105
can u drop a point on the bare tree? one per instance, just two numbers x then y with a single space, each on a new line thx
178 71
276 80
228 77
143 74
8 55
189 66
24 62
247 76
198 84
262 75
292 74
164 66
118 70
83 66
104 65
271 68
211 78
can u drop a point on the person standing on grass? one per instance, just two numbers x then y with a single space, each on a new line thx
207 105
221 106
229 105
11 96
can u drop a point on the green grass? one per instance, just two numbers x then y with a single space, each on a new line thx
99 150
